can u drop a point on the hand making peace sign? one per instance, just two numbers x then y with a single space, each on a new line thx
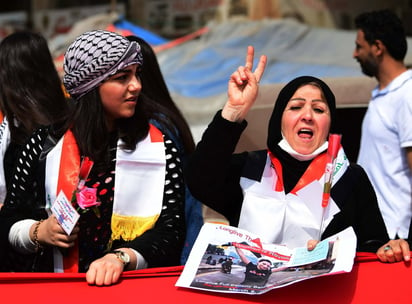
243 88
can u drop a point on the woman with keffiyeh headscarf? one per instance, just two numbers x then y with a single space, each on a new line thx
276 193
137 173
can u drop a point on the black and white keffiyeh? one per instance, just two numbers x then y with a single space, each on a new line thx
93 57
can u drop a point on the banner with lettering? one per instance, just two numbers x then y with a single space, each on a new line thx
232 260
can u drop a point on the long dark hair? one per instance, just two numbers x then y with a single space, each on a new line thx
91 131
162 108
31 92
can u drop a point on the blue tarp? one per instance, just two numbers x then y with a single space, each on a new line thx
148 36
201 68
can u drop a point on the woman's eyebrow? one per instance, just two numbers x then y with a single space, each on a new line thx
125 70
298 98
304 99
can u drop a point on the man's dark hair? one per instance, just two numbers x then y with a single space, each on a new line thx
265 260
384 25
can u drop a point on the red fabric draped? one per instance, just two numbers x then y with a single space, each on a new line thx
370 281
67 182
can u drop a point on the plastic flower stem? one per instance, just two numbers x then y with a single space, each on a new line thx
332 153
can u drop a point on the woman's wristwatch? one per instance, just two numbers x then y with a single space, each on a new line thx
122 256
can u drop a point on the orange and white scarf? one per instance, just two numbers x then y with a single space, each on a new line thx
294 218
138 190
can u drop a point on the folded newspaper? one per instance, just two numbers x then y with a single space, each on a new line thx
232 260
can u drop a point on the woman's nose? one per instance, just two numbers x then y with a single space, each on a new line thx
307 114
135 84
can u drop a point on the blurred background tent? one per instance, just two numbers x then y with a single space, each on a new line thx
197 72
200 43
197 67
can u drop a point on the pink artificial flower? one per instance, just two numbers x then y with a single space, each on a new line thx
87 198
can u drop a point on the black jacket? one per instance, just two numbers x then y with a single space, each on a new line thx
213 176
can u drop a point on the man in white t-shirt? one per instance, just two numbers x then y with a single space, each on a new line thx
386 142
